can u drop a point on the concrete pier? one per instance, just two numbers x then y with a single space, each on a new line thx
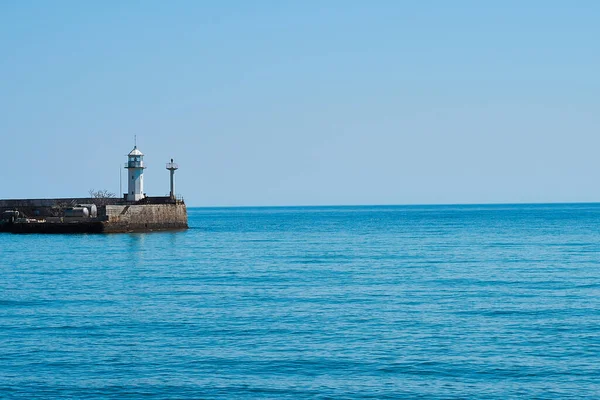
113 215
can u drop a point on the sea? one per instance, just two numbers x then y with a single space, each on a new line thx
382 302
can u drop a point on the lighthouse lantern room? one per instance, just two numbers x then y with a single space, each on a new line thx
135 167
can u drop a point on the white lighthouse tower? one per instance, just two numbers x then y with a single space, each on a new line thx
135 167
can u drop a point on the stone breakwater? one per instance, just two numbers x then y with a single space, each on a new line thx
124 218
112 215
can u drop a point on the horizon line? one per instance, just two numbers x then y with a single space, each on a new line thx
403 205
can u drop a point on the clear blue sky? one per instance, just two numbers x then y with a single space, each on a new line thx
304 102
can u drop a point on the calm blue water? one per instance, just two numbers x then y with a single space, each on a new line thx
488 302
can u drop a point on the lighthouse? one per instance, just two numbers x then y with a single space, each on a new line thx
135 177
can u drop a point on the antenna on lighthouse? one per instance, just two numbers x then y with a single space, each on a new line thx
172 167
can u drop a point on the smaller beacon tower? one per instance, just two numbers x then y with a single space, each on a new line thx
135 167
172 167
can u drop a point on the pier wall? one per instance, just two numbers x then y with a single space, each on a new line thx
114 215
144 217
50 207
67 201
